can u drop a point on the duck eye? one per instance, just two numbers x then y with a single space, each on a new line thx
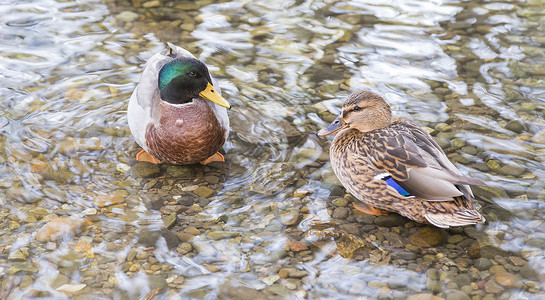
357 108
191 74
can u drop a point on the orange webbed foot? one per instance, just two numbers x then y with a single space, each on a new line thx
215 157
144 156
370 210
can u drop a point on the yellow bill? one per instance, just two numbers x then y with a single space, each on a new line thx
211 94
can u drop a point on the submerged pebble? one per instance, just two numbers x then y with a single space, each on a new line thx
60 228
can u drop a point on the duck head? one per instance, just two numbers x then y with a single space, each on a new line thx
185 78
363 111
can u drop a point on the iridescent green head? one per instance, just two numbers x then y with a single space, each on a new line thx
183 79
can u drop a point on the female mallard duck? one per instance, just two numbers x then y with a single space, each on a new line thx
176 113
396 166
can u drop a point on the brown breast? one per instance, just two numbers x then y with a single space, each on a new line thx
185 135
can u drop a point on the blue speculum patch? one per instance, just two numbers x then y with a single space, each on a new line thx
391 182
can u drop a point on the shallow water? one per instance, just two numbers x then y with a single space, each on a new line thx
271 222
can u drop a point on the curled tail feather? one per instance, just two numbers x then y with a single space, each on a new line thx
458 218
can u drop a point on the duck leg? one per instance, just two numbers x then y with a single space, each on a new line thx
215 157
144 156
370 210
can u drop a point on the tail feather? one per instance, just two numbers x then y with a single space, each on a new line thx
458 218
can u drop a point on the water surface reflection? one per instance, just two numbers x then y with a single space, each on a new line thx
273 221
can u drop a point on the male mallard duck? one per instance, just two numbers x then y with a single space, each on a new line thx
176 113
396 166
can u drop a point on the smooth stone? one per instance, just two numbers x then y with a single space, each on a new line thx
261 31
71 288
72 145
180 171
487 251
90 211
340 213
528 272
516 126
171 238
295 273
185 248
471 150
156 282
122 168
230 291
22 195
270 280
321 73
489 193
457 143
517 261
492 287
204 191
151 4
278 289
107 200
308 153
434 286
131 255
405 255
428 237
24 266
340 202
187 6
493 165
19 255
203 202
462 279
424 296
443 127
170 220
389 220
350 18
59 228
460 159
365 218
145 170
218 235
186 201
509 280
39 212
433 274
211 179
142 255
148 238
192 230
511 169
443 143
456 295
134 267
482 263
455 239
536 242
26 281
195 208
187 26
127 16
290 218
539 137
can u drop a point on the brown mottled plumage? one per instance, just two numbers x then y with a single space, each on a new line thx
176 113
371 156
